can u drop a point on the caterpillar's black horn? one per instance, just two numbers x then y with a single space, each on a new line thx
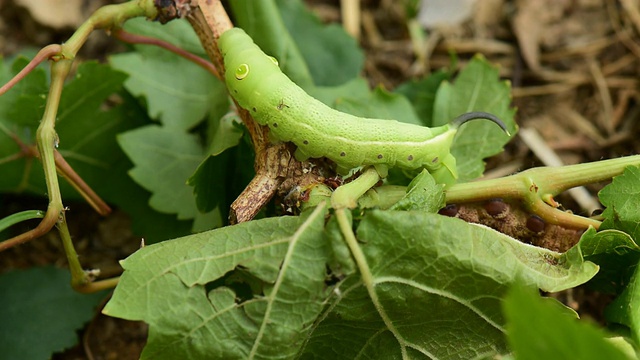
477 115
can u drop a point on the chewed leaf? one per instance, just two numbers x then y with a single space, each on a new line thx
250 290
440 282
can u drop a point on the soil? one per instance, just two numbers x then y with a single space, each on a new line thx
574 66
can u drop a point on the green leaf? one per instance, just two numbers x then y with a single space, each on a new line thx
439 280
41 313
87 141
181 288
538 330
332 55
177 91
624 309
617 255
379 104
422 94
21 110
341 261
164 159
209 187
226 133
422 194
333 95
622 200
476 88
177 32
308 51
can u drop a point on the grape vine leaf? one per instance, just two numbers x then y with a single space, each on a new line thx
41 313
622 201
379 104
20 112
87 135
624 309
333 56
616 253
308 51
164 160
476 88
439 282
179 288
177 91
539 330
422 94
422 194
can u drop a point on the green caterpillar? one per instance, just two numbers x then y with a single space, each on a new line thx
256 82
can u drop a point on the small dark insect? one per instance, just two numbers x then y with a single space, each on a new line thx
535 224
496 207
450 210
282 105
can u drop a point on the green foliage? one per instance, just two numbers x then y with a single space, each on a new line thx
423 193
177 92
379 104
422 94
622 201
181 95
87 135
476 88
624 309
163 161
20 112
616 253
539 330
41 313
428 270
289 287
184 279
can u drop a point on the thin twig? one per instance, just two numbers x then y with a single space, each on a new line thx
80 185
44 54
141 39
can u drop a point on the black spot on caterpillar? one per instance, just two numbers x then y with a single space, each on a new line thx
256 82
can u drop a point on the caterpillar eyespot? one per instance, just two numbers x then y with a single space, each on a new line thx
320 131
242 71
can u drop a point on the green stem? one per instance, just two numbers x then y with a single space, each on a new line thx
537 187
347 195
20 217
542 182
109 16
367 276
78 276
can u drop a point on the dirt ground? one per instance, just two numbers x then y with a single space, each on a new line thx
574 66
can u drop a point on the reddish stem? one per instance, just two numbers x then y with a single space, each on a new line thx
44 54
76 181
141 39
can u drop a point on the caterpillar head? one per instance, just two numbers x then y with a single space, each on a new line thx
245 64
